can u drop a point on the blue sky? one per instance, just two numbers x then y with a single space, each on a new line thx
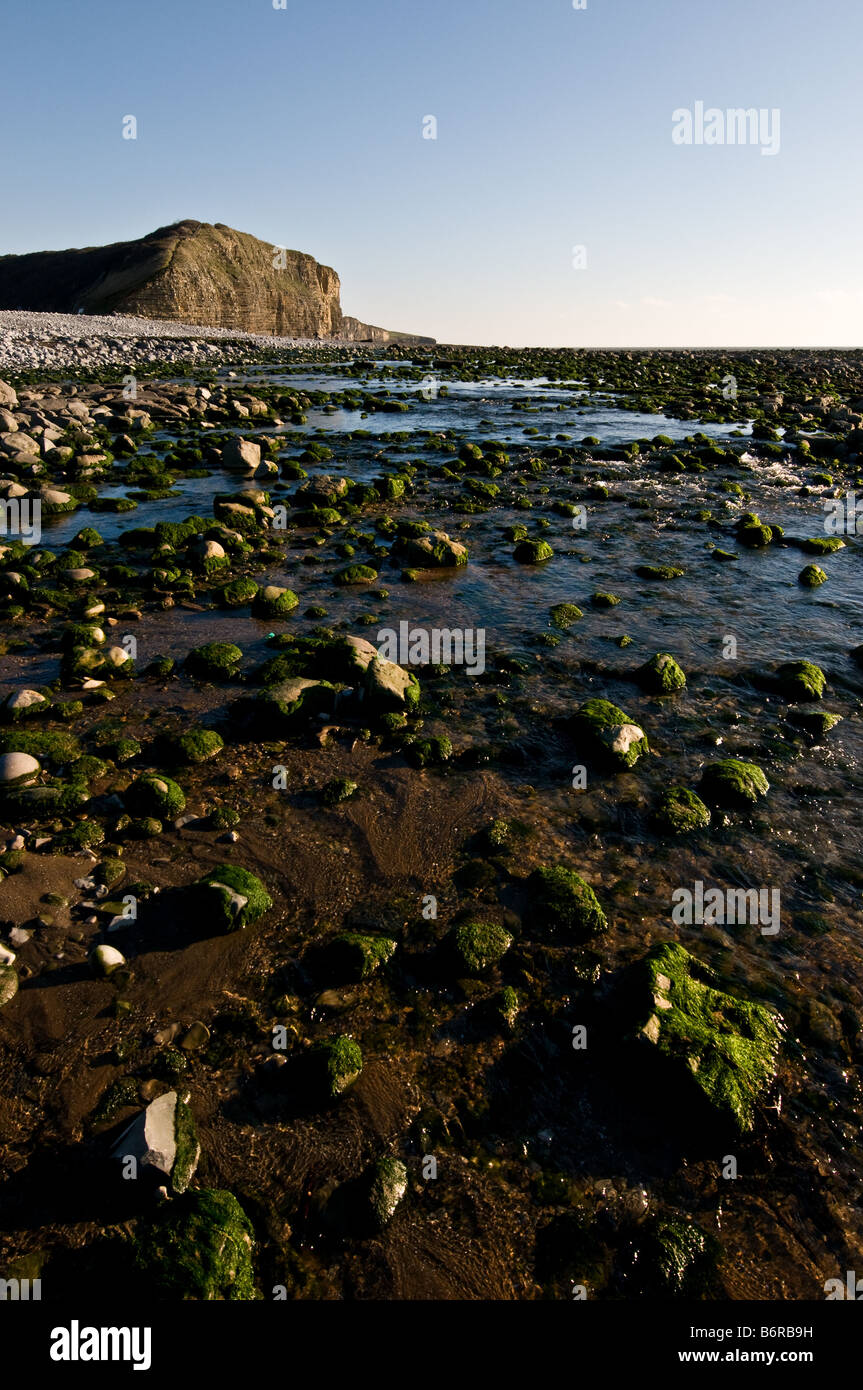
304 127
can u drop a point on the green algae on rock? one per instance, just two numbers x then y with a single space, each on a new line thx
682 1256
231 897
156 796
811 576
506 1006
198 1246
389 1183
435 551
609 734
728 1046
428 752
337 790
163 1141
821 545
214 661
355 574
479 945
273 601
194 746
238 593
733 784
752 533
358 956
279 708
560 900
661 675
336 1062
680 811
800 681
815 723
532 552
563 615
659 572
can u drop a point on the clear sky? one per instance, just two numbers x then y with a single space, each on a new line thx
304 126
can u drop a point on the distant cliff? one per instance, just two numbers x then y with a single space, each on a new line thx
192 272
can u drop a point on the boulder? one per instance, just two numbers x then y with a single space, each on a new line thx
17 768
198 1247
726 1047
230 897
163 1142
389 687
24 702
609 734
559 900
435 551
242 453
733 784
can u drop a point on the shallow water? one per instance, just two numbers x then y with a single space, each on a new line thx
806 840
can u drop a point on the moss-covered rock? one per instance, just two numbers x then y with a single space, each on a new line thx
274 602
337 790
230 897
355 574
198 1246
23 704
822 545
336 1062
506 1006
661 675
194 746
477 946
563 615
680 811
163 1141
435 551
110 872
357 956
153 795
238 593
532 552
429 752
138 828
280 708
733 784
559 900
752 533
727 1046
214 661
389 1183
798 681
120 750
608 734
659 572
815 723
602 599
812 576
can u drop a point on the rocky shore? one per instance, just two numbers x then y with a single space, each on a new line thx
390 971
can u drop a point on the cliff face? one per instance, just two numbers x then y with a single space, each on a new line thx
191 272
